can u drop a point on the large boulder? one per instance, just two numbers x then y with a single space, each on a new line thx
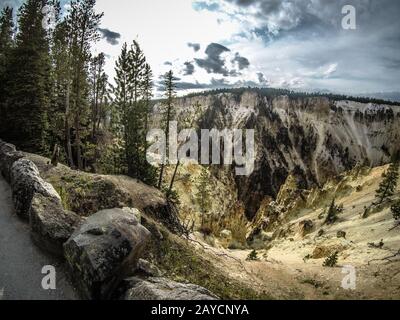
8 155
104 250
164 289
51 225
25 182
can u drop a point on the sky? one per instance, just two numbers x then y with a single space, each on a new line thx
294 44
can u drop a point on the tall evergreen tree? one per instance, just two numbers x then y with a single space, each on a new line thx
147 92
396 210
6 45
186 123
135 124
132 98
169 87
389 183
122 88
83 22
121 93
99 92
28 83
59 78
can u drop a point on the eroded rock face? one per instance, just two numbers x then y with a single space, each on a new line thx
51 225
311 138
165 289
25 182
105 249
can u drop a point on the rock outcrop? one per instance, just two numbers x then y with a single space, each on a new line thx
25 182
51 225
8 155
105 249
164 289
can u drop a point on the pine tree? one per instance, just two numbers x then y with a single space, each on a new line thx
187 124
122 89
6 45
333 212
83 24
169 87
253 256
389 183
59 77
396 210
331 261
132 93
28 82
135 124
99 92
147 91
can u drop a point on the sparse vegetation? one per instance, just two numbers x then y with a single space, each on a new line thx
177 258
389 183
333 213
396 210
316 284
331 261
396 214
253 256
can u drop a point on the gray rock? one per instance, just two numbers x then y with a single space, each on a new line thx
165 289
134 212
103 250
25 182
306 226
51 225
8 155
341 234
147 268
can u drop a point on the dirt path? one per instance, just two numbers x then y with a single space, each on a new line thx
21 262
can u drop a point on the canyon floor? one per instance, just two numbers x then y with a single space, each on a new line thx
285 271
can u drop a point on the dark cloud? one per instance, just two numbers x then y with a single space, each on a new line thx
168 63
284 15
214 84
194 46
110 36
242 62
189 68
213 63
261 78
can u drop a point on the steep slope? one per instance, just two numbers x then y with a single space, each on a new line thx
290 259
312 138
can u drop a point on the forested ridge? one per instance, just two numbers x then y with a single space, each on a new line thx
57 100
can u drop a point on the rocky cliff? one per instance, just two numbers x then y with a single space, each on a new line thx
311 138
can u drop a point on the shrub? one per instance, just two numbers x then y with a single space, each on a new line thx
333 212
331 261
253 256
396 210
